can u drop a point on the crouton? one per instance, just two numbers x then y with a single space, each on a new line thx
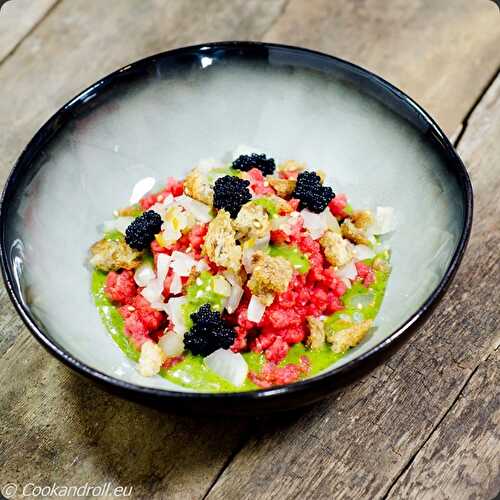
354 234
284 187
316 339
270 275
112 255
291 166
198 187
252 221
348 337
220 243
151 359
362 218
338 251
381 265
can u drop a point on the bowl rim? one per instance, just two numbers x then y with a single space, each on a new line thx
47 131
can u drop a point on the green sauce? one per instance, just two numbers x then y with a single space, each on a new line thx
215 173
199 292
269 205
193 374
291 253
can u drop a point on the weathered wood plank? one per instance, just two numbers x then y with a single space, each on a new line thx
17 19
57 427
440 53
358 442
67 430
65 425
462 456
461 459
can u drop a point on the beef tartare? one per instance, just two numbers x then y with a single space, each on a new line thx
241 276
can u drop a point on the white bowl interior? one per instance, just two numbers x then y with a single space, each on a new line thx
163 126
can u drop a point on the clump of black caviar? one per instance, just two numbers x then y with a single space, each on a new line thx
311 193
208 333
141 232
247 162
230 193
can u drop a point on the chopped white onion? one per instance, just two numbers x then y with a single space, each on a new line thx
228 365
314 223
153 292
144 274
331 221
256 309
199 210
221 286
176 285
172 343
384 221
118 224
201 266
348 271
174 312
162 265
363 252
182 263
161 207
236 292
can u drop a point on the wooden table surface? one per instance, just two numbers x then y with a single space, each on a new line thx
426 423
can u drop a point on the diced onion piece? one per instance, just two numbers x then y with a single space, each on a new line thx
153 292
348 271
161 207
174 312
228 365
331 222
182 263
176 285
201 266
144 274
363 252
221 286
119 224
256 309
162 265
314 223
172 343
234 299
199 210
384 221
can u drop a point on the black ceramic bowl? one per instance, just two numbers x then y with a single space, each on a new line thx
157 117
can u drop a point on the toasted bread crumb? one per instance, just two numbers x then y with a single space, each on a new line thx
349 337
220 242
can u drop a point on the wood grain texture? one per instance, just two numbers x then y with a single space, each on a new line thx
17 19
357 443
55 426
440 53
462 457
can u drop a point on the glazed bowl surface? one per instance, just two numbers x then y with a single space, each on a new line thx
156 118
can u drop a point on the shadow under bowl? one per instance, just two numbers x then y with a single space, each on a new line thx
156 118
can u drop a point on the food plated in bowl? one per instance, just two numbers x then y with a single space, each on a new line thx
241 276
155 119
